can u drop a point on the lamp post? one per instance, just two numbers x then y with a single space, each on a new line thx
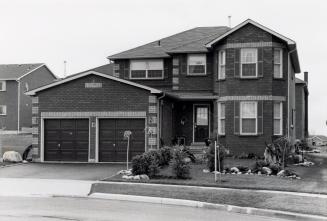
127 135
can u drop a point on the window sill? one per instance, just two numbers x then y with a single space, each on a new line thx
249 78
223 79
279 79
145 79
249 135
196 75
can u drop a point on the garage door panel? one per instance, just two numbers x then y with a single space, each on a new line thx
67 124
138 135
82 135
82 124
52 135
51 145
68 135
138 146
52 124
107 134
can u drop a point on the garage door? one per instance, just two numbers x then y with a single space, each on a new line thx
113 146
66 140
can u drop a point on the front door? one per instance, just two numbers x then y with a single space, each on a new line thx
201 123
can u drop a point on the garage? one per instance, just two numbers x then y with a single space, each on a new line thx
113 146
66 140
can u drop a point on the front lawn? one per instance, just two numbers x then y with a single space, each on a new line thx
309 181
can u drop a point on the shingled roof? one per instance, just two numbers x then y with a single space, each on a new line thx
15 71
192 40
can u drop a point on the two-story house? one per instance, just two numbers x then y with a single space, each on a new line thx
236 85
15 80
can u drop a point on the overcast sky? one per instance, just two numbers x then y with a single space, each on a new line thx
85 32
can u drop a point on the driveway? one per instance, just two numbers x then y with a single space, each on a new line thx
65 171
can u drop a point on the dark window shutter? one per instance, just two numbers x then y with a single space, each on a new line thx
260 62
166 68
237 62
260 117
184 64
236 117
285 64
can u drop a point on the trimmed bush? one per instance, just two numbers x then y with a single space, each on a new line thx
180 166
210 155
166 156
146 163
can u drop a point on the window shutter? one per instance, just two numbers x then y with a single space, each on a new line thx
126 67
183 60
237 59
260 62
209 64
166 68
260 117
236 117
285 64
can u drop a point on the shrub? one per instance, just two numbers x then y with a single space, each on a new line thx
180 167
166 156
210 155
146 163
275 168
243 169
258 166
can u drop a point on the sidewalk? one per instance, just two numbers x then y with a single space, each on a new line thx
293 206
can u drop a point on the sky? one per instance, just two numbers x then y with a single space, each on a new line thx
85 32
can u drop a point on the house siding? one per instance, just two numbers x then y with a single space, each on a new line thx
9 98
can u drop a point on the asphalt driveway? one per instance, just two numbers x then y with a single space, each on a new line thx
61 171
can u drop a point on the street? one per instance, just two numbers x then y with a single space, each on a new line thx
59 208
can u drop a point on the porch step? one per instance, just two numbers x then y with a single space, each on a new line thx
198 148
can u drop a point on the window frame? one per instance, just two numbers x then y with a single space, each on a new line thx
146 70
5 110
280 118
221 118
256 118
205 65
280 63
221 53
4 86
256 63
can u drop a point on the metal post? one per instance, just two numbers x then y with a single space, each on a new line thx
215 161
127 152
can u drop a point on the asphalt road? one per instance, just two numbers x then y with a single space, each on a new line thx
59 209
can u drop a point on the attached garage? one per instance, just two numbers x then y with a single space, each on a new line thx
83 119
113 146
66 140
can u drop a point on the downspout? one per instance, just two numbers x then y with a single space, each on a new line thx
288 93
159 126
18 108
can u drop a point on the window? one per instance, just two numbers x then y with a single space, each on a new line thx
3 109
146 69
26 86
278 118
278 60
221 118
248 118
222 64
197 64
249 62
2 85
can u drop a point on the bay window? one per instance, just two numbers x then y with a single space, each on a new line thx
278 118
146 69
278 60
221 118
249 62
196 64
248 118
222 64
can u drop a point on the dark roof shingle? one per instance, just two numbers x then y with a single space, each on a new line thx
192 40
15 71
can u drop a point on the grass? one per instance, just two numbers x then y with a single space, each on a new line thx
312 179
284 202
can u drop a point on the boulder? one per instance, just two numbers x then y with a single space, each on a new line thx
12 156
137 177
234 170
281 173
144 177
205 171
266 170
127 177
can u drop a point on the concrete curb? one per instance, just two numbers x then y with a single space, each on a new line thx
221 207
12 165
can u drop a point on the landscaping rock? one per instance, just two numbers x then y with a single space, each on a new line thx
234 170
125 172
266 170
12 157
316 151
127 177
137 177
144 177
281 173
187 160
205 171
305 164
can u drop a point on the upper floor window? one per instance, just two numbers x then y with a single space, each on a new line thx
249 117
196 64
3 109
249 62
221 118
278 63
2 85
222 64
278 118
146 69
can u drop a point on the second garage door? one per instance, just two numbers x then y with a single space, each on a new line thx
113 146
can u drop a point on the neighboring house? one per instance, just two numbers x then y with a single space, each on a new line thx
235 84
318 140
15 80
301 100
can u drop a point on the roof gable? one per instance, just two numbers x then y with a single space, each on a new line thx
209 44
17 71
65 80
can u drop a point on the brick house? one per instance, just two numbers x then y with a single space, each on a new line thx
235 84
15 80
301 97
